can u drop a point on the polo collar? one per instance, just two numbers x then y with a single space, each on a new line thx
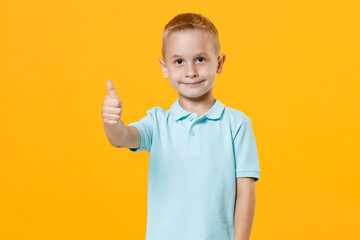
214 112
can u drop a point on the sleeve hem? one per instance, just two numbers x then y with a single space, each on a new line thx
138 127
253 174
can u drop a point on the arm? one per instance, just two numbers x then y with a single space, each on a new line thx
118 134
121 135
244 207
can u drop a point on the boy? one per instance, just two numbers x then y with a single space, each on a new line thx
203 157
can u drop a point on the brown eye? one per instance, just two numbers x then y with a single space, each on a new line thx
202 59
179 61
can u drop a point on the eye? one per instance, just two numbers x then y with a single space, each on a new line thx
202 59
179 61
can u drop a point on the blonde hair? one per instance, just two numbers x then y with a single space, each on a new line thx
191 21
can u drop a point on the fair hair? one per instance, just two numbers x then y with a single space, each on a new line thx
191 21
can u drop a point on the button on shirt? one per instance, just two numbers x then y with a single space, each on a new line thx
193 166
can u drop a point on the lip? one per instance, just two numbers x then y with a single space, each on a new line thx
193 83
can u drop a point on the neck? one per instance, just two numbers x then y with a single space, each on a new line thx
199 106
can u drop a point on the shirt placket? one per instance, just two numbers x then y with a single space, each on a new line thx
193 142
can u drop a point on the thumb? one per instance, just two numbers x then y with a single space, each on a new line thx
111 88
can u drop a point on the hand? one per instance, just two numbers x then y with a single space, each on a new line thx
112 107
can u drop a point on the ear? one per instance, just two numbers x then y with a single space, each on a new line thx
220 64
164 68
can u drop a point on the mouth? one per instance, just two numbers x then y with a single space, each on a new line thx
193 83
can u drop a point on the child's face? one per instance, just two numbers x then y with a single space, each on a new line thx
191 63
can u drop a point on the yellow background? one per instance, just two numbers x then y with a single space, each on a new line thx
292 67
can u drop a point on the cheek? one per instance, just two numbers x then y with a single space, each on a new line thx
208 71
173 72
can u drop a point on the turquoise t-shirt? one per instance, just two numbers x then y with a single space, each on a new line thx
193 166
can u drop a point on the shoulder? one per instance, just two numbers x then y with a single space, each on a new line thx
238 121
236 116
156 113
156 110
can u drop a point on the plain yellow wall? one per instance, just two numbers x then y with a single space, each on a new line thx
292 67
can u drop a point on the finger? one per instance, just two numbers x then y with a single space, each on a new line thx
111 89
113 110
112 117
111 122
112 102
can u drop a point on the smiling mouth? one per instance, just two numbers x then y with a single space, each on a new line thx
193 84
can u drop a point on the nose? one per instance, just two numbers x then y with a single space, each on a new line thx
191 71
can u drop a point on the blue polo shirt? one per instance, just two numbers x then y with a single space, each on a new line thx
193 166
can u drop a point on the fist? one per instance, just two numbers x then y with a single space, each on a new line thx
112 107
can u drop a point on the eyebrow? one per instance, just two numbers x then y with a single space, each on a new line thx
176 56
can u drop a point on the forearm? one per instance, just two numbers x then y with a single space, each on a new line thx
116 134
244 216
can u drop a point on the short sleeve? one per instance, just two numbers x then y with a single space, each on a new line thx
145 126
246 155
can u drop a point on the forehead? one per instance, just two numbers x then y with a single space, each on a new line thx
188 43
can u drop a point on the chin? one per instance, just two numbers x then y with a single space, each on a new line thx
193 96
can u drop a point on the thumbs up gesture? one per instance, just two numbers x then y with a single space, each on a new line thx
112 107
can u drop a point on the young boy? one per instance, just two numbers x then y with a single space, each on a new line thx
203 157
